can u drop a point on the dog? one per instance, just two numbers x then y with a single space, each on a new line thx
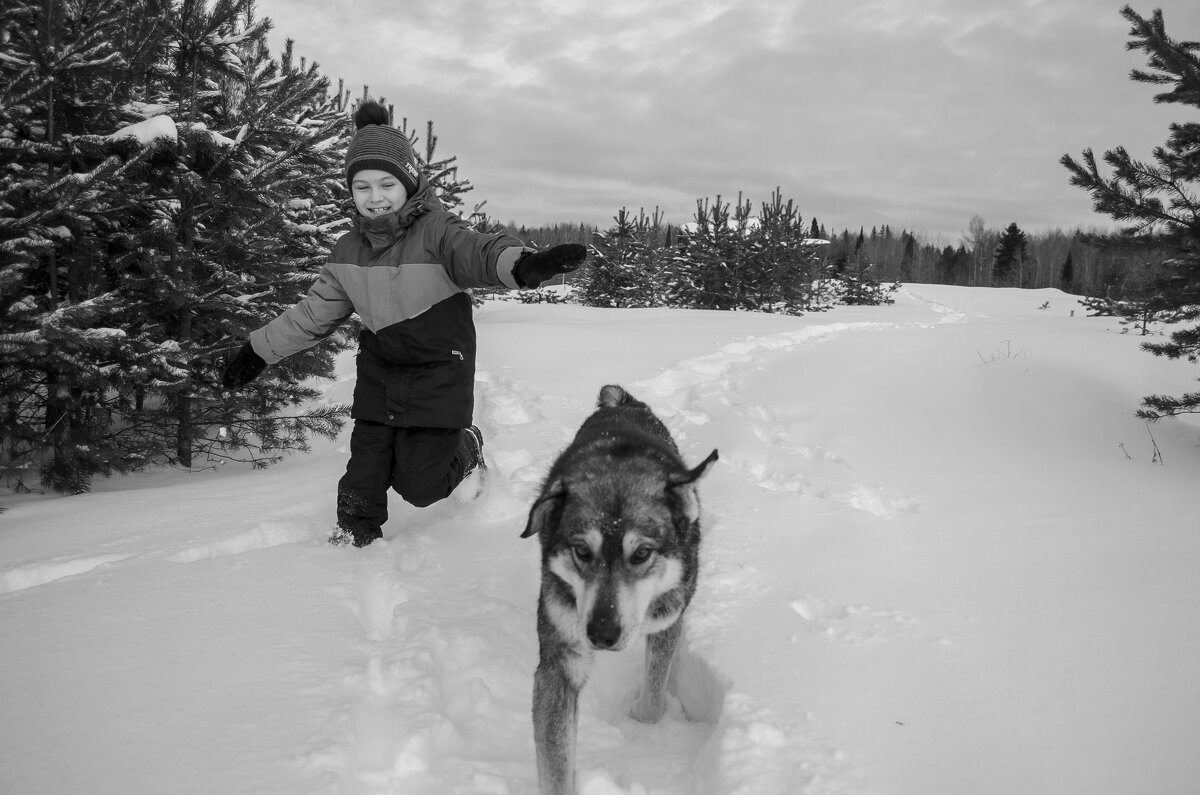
618 517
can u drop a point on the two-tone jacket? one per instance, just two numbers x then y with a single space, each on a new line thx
404 275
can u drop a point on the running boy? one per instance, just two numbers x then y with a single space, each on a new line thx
403 270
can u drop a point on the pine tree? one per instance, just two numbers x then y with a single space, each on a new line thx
221 250
782 267
185 186
66 68
443 174
1067 275
1142 298
908 256
1156 202
860 286
707 272
1009 257
625 267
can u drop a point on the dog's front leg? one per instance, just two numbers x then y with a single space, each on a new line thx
651 703
555 719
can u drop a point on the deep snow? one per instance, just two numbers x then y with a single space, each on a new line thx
939 559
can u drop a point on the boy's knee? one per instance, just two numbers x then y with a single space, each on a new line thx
421 494
425 469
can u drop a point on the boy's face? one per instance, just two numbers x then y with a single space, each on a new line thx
377 192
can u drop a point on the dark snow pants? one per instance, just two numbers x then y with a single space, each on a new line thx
423 465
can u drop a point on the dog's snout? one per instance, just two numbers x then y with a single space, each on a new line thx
604 630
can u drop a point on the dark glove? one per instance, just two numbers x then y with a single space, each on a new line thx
243 368
533 269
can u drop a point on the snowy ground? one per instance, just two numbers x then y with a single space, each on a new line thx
939 559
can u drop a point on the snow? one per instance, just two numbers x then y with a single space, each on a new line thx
939 558
217 138
149 130
146 109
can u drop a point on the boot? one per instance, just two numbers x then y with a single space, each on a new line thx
352 526
474 468
342 536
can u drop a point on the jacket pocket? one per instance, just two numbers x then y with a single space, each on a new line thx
434 395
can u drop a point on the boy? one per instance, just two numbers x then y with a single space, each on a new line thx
403 270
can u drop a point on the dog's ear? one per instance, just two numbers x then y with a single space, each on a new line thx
611 396
683 486
692 475
546 510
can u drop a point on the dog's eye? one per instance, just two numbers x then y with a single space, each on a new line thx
583 553
641 555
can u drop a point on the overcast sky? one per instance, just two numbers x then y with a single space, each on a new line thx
918 115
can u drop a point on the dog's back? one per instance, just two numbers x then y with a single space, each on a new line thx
621 427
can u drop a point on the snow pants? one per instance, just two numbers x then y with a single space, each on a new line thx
423 465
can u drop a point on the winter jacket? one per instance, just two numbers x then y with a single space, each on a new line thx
404 275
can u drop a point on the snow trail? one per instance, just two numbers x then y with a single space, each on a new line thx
423 657
31 576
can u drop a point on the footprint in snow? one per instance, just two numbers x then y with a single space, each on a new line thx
505 402
379 594
876 501
853 624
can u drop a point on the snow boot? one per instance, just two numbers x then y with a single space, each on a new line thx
474 473
355 523
342 536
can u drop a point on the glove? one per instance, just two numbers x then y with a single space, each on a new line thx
243 368
533 269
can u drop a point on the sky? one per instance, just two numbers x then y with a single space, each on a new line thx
979 594
914 115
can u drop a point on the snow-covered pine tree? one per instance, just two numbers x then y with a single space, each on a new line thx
707 271
860 286
197 204
442 173
141 237
62 355
290 206
1156 202
782 267
624 267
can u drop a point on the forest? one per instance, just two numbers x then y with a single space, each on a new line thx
1076 261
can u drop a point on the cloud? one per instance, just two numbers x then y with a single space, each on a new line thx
864 113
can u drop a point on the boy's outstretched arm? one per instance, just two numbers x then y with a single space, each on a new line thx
473 259
312 319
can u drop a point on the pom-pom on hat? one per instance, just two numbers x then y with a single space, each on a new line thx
379 145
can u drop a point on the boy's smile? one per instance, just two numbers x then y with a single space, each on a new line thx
377 192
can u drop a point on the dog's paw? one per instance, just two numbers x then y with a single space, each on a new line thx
649 709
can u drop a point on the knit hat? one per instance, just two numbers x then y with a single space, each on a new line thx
379 145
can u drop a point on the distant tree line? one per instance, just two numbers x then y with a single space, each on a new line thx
1077 261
